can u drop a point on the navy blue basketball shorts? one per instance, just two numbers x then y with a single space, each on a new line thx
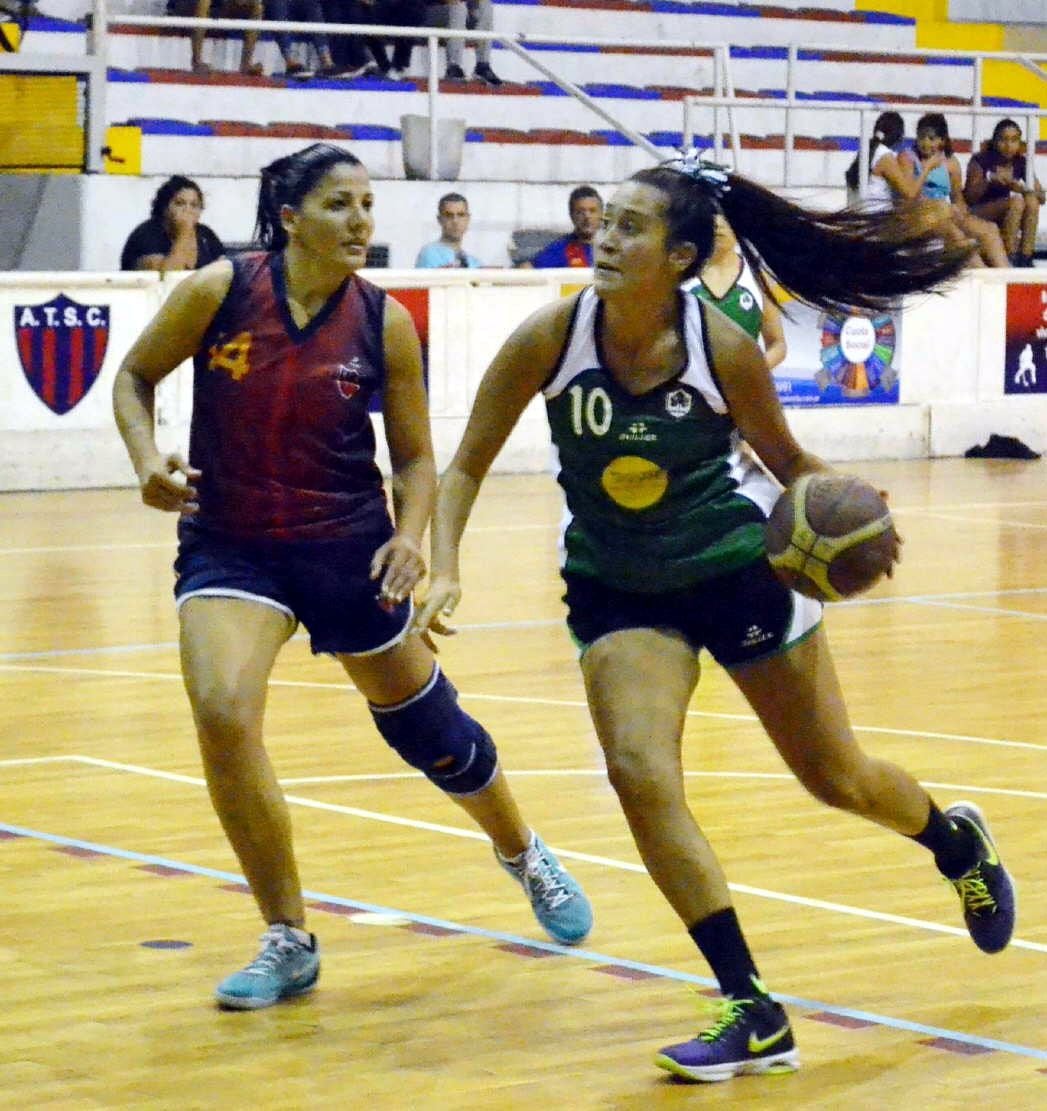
324 584
740 617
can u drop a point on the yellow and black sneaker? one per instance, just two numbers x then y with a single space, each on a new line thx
750 1036
986 890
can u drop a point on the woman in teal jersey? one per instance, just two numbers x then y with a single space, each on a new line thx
647 392
727 281
934 165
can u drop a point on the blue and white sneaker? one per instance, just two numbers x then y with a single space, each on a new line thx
287 964
558 902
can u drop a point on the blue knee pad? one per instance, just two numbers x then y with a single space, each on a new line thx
429 727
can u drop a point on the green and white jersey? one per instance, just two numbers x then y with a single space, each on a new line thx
743 302
658 496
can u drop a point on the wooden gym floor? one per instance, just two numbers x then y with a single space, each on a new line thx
122 905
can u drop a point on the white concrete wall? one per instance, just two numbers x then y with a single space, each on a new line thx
952 376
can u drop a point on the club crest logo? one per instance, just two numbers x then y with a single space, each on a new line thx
678 404
61 346
348 378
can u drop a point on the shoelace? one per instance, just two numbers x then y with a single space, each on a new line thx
544 880
276 947
731 1011
972 890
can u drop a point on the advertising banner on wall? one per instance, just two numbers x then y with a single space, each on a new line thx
839 358
1025 355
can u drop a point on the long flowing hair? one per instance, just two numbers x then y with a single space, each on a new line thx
835 261
287 181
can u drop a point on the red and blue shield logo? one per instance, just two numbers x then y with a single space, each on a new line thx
61 345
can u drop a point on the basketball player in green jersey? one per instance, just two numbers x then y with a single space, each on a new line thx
742 298
647 391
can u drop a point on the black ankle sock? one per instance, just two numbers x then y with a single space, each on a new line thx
720 939
954 846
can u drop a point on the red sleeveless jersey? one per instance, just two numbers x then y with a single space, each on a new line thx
280 424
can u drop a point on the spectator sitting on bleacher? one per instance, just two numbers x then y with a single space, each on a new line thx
575 249
173 237
996 190
301 11
934 166
219 9
457 15
355 55
885 175
452 214
393 13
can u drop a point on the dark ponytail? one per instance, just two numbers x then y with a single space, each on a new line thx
836 261
287 181
888 130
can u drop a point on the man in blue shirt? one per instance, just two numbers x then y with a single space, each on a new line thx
576 249
452 214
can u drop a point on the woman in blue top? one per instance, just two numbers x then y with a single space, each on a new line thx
647 392
945 209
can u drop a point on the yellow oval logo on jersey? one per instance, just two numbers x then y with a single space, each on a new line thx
633 482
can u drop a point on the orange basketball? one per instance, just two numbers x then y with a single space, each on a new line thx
830 536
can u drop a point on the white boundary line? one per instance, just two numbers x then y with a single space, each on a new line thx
566 703
590 858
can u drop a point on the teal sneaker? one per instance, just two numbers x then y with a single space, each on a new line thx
285 966
558 902
750 1036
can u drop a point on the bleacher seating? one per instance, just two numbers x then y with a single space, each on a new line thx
225 126
529 127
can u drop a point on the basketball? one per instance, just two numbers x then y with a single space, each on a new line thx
830 537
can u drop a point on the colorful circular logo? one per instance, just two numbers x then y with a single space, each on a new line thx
856 352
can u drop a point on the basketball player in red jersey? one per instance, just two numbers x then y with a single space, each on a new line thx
284 520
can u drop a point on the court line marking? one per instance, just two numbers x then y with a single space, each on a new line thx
524 773
570 854
524 700
1025 615
996 522
589 955
943 600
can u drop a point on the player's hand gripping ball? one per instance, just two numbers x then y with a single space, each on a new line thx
831 536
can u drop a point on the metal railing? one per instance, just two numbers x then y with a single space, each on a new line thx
867 114
94 67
